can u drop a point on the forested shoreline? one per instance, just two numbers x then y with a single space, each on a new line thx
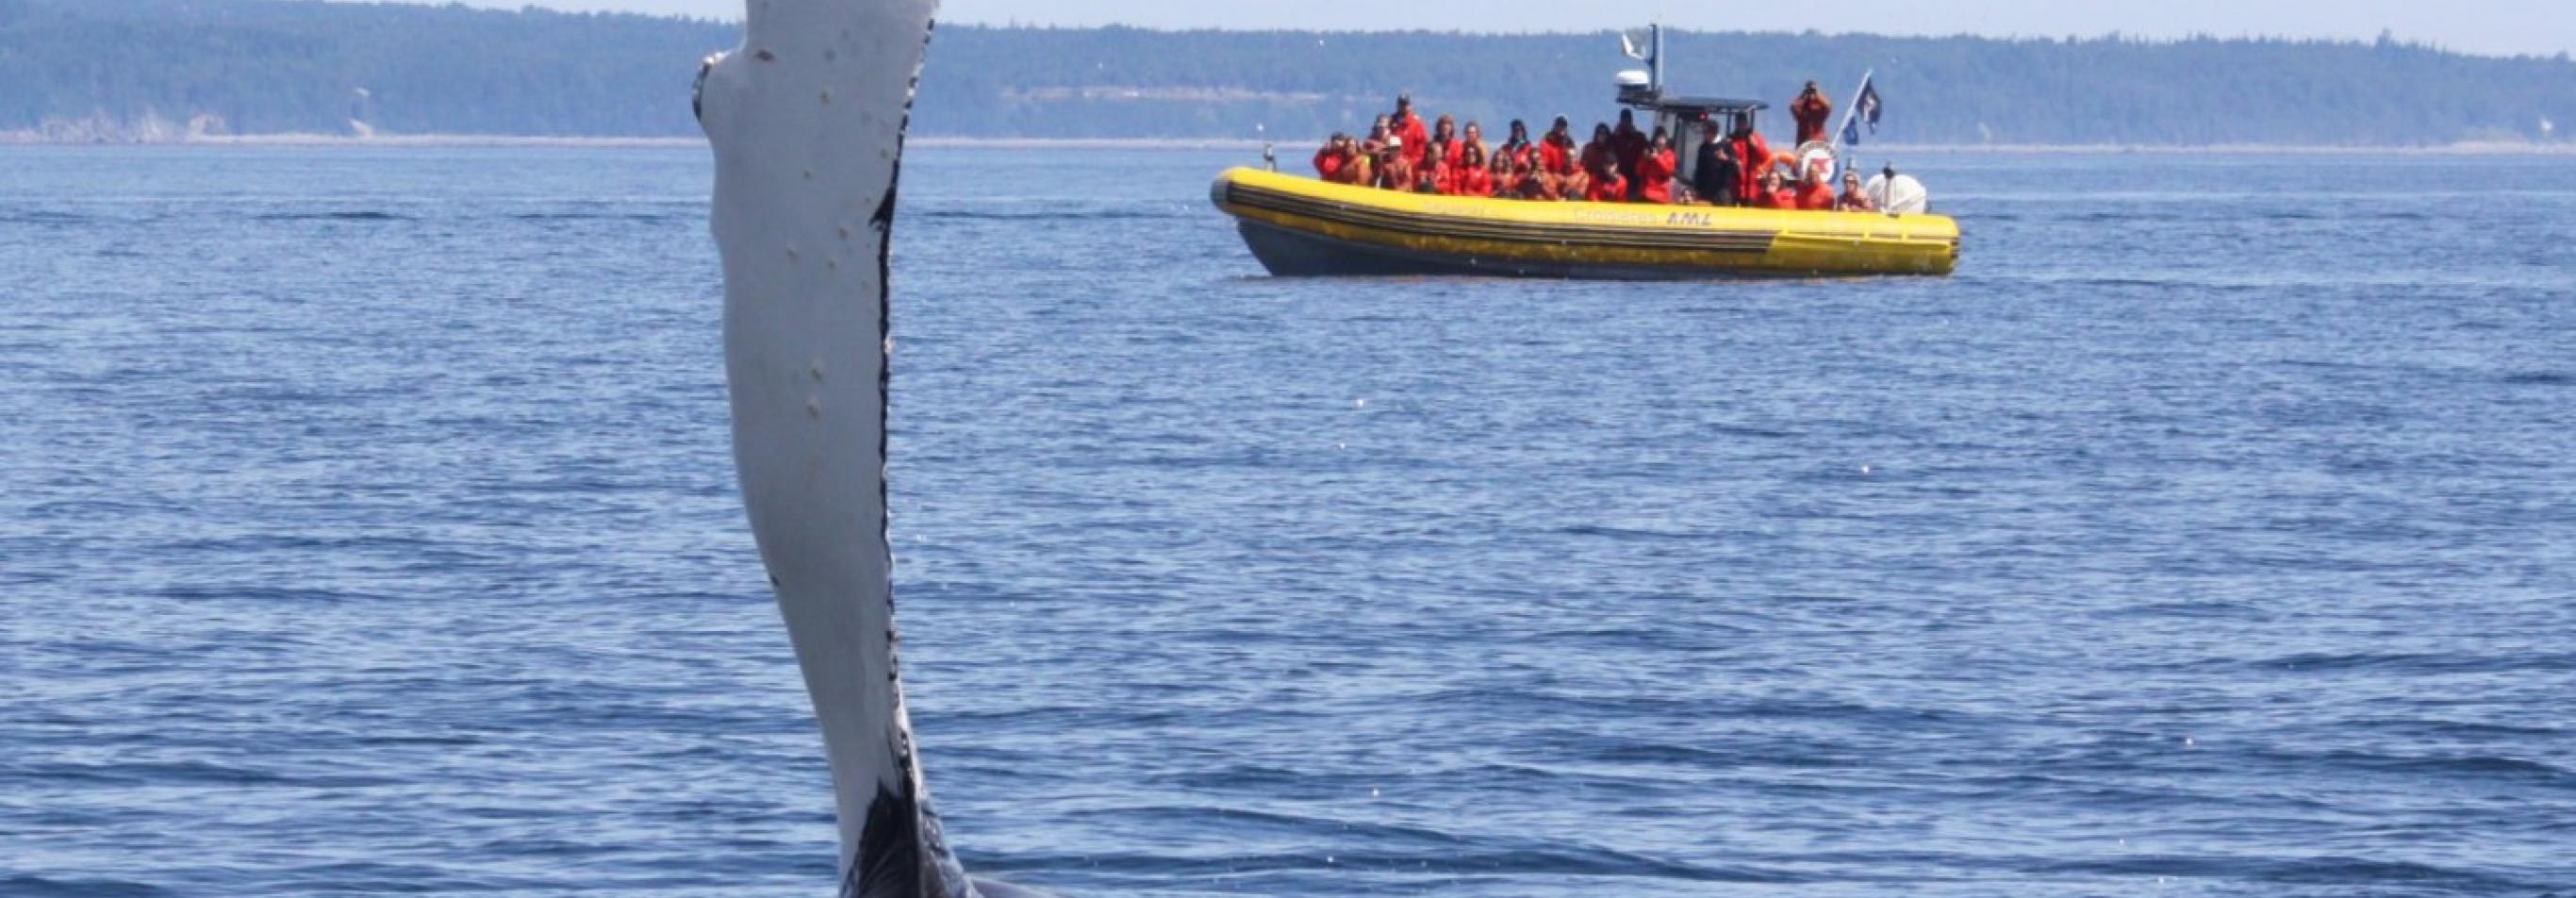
157 70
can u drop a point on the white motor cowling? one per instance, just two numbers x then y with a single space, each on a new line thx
1898 195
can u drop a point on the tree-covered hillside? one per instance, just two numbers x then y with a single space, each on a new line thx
146 69
264 67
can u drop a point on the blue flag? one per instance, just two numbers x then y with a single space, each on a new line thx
1864 109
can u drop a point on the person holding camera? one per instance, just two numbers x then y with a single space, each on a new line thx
1811 109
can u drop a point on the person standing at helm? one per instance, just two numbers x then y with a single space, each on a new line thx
1714 169
1406 125
1811 109
1655 170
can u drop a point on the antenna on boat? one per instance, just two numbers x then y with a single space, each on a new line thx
1268 156
1655 66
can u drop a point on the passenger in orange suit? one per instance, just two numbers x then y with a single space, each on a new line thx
1359 171
1406 125
1556 162
1518 146
1444 134
1601 168
1811 109
1334 155
1435 175
1816 193
1534 186
1753 154
1608 188
1471 178
1655 170
1474 136
1774 192
1354 166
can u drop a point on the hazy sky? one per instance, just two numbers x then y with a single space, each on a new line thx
2484 26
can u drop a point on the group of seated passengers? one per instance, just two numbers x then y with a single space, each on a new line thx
1621 165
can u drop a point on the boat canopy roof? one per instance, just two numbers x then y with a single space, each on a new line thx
1684 108
1705 105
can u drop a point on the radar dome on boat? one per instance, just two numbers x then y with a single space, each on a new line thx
1636 88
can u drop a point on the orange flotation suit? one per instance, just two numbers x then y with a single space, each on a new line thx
1817 196
1417 139
1472 181
1655 176
1355 170
1811 113
1607 187
1555 160
1754 154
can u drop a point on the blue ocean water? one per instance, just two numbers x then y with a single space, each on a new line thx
367 526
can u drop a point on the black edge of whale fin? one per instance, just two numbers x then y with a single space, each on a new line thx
889 860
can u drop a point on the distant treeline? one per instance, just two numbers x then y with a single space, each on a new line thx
148 69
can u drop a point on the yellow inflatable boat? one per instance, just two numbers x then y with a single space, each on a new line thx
1307 227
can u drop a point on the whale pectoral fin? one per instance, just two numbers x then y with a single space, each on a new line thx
888 862
806 121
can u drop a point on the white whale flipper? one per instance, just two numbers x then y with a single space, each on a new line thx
807 123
